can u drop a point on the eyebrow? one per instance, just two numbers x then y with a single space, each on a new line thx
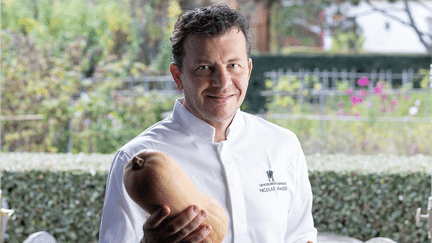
235 59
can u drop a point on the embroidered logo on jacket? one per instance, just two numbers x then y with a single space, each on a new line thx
270 175
272 185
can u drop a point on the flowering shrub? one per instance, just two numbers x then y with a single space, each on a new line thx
379 103
364 105
294 96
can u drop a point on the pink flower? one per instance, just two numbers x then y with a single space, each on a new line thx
406 97
378 88
383 109
362 93
356 99
348 91
340 112
356 114
392 109
394 102
363 81
86 122
384 96
340 104
369 104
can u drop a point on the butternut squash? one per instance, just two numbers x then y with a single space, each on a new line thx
153 179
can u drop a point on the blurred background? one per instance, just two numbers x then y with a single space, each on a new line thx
351 78
88 75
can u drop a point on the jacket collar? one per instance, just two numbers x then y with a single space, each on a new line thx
199 127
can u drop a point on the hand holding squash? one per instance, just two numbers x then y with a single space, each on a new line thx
183 228
154 180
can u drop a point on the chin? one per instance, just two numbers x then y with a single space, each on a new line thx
224 115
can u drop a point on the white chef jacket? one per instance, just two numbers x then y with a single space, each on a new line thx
258 175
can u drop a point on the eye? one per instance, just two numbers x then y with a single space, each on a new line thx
234 65
203 68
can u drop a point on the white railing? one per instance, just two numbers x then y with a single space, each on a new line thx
329 80
159 84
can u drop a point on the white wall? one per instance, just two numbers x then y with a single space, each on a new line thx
398 38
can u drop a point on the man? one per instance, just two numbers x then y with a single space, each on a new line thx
253 168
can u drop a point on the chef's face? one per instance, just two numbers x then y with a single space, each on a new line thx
214 76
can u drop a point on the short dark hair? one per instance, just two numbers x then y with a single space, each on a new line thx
207 21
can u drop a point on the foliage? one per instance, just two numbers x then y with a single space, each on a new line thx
425 79
20 162
358 63
291 25
36 82
291 94
163 58
65 59
318 162
357 137
105 120
299 26
379 163
105 24
69 204
365 206
376 102
345 131
110 27
346 42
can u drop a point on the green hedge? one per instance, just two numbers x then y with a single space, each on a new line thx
69 204
362 63
365 206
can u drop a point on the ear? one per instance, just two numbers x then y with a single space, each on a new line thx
250 66
176 74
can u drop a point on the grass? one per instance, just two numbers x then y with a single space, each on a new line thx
377 163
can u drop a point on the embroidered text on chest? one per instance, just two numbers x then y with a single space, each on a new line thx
272 185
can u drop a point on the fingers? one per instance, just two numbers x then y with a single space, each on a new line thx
156 218
199 235
186 227
185 222
192 231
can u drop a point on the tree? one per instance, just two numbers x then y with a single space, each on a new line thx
425 38
302 24
287 19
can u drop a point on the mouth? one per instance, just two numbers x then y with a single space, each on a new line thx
220 98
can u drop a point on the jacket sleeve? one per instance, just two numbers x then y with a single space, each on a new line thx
301 226
122 218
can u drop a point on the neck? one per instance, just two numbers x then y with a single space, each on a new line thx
220 134
221 128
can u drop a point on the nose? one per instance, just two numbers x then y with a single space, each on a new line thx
221 78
